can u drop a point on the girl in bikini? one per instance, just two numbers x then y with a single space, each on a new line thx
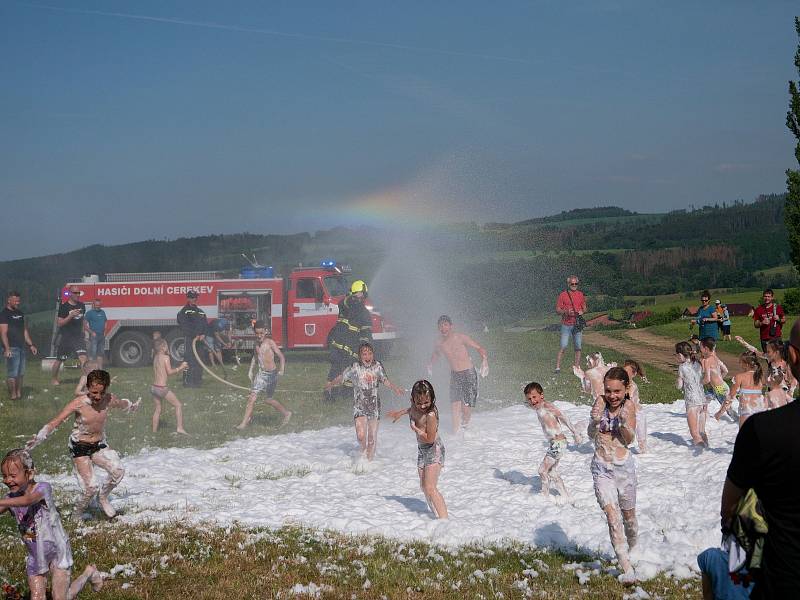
780 381
714 372
424 418
749 386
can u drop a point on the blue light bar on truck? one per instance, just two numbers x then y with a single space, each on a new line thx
328 263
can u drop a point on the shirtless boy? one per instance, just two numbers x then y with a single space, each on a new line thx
87 442
162 369
463 378
551 419
266 378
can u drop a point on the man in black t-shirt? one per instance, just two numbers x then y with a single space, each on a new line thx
14 336
194 324
766 457
70 332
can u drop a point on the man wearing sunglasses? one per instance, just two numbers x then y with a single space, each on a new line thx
707 317
571 304
70 331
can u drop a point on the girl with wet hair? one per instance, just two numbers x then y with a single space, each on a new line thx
424 418
780 381
366 375
714 372
749 387
33 508
634 369
690 380
613 427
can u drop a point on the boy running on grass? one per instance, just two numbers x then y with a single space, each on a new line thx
551 419
463 377
87 442
267 377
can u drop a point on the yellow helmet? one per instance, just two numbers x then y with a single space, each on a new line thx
358 286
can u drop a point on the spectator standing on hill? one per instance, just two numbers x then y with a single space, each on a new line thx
14 335
571 305
707 318
193 323
766 457
725 320
94 324
70 332
769 319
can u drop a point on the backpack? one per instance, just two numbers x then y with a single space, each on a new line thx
746 534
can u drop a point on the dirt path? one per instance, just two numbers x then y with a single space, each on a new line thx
650 348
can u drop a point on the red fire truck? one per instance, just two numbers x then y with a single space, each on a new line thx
300 308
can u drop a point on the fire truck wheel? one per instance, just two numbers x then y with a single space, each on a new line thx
176 344
130 349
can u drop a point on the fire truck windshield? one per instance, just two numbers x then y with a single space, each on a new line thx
336 285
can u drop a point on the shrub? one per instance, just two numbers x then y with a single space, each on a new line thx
661 318
791 301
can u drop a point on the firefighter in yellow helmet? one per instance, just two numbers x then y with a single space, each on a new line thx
353 327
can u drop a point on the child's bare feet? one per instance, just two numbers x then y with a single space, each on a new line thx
105 504
95 577
286 418
182 431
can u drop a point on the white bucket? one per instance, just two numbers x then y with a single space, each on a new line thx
47 363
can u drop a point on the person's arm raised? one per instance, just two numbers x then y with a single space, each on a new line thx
52 425
29 498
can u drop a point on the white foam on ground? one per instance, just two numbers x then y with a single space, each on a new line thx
490 484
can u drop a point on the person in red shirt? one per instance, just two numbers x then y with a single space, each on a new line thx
769 318
571 303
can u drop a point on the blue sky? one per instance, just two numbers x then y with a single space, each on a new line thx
124 121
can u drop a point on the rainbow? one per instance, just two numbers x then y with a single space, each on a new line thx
394 207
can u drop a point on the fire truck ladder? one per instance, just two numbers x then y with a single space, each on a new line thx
169 276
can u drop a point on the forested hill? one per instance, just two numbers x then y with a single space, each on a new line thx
739 245
616 251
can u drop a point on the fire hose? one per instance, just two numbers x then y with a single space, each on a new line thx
234 385
210 372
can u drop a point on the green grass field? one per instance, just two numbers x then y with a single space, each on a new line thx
165 561
686 299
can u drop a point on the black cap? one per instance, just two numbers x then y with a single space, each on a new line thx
191 294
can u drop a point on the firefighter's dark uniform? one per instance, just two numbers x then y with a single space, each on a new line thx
193 322
353 327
